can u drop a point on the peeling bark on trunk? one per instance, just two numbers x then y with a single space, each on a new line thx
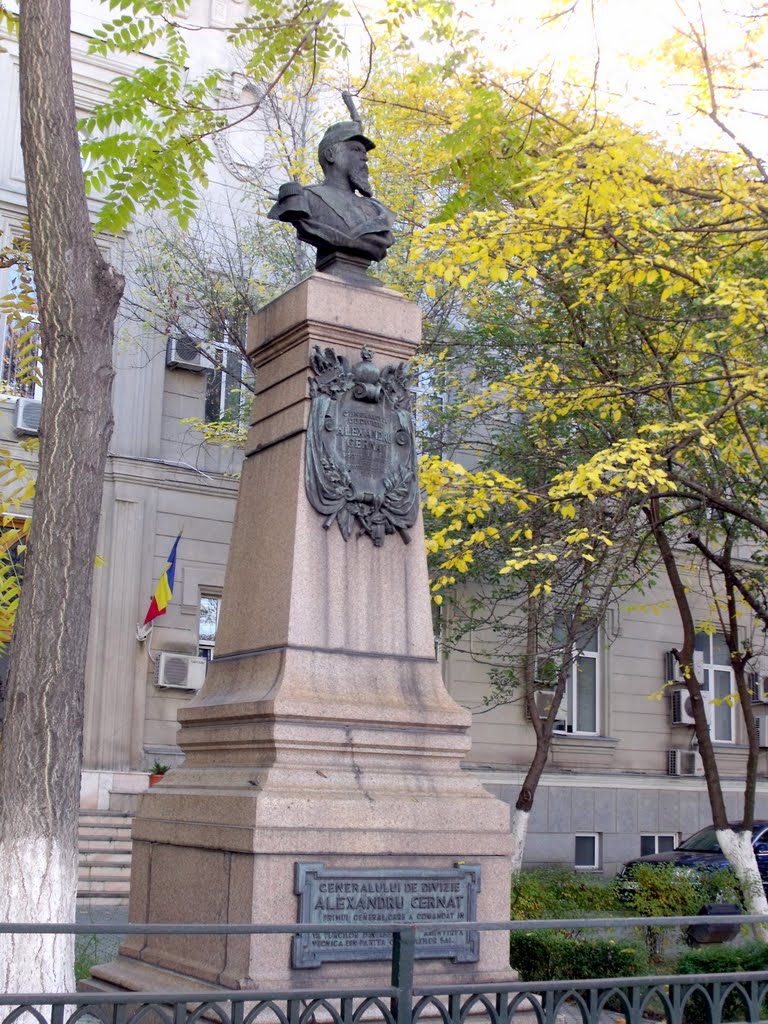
737 847
78 296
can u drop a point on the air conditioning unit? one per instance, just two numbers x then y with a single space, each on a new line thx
180 671
26 418
684 762
183 353
673 673
762 732
681 710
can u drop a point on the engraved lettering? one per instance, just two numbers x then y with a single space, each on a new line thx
371 896
437 902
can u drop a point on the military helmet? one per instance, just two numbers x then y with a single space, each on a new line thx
343 131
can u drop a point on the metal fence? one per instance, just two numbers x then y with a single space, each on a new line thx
673 999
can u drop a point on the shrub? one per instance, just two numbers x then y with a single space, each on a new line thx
652 890
543 893
661 890
666 890
551 956
752 956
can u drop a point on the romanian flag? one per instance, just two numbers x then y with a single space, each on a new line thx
164 590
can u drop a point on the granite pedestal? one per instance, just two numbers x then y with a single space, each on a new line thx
324 732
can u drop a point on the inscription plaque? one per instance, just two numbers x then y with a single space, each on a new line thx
361 450
386 896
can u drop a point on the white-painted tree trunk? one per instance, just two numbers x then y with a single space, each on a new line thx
737 847
78 296
519 830
35 963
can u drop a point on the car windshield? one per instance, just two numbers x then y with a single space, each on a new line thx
705 841
702 842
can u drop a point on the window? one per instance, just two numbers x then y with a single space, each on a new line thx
208 622
586 852
19 341
580 709
229 378
717 681
658 843
226 397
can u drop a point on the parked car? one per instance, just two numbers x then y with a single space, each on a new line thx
702 853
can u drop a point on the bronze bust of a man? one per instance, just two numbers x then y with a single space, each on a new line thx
339 215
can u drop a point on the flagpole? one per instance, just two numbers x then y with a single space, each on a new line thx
143 632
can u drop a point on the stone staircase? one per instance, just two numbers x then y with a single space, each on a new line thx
105 856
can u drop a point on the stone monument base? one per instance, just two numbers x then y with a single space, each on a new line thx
324 735
222 844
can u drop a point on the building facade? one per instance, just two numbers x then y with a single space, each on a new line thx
161 478
623 775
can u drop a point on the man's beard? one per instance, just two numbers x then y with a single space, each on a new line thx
359 180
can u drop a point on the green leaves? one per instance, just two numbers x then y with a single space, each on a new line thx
279 39
149 142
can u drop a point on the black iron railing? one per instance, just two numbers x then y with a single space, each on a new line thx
674 999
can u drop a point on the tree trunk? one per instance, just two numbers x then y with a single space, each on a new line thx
542 727
524 804
519 831
680 593
521 815
737 847
78 295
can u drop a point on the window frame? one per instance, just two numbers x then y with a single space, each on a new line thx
709 682
597 847
568 711
206 646
10 389
219 353
656 836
